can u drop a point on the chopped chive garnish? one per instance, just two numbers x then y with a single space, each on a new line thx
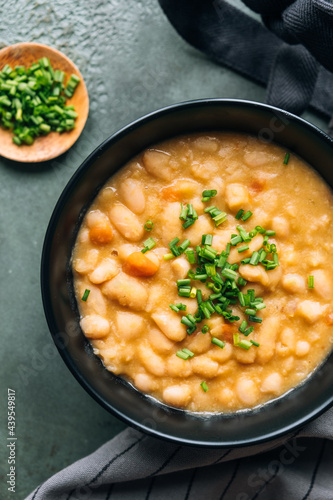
186 321
286 158
236 338
183 282
270 233
184 291
174 308
260 230
311 282
149 225
190 256
182 355
207 239
33 101
193 292
174 242
255 259
205 329
239 214
148 245
184 245
187 351
168 256
248 331
243 326
241 281
183 212
254 343
208 194
85 295
247 215
229 273
217 342
255 319
245 344
204 386
235 240
181 307
243 248
246 261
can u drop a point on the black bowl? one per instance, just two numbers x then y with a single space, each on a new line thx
274 419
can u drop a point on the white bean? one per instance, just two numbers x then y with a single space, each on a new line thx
244 356
293 283
281 226
159 341
237 196
272 383
87 263
107 270
128 291
206 143
247 391
95 218
221 355
309 310
177 395
157 164
177 367
203 225
226 396
170 222
204 366
302 348
133 195
129 325
266 337
153 363
180 267
95 326
199 343
126 249
254 245
126 222
322 284
254 273
204 169
95 302
170 325
144 382
220 240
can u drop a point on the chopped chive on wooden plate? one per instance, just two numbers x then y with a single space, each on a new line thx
53 144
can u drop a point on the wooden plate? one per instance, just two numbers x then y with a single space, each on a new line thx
54 144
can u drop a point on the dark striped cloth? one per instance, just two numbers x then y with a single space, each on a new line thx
293 57
133 466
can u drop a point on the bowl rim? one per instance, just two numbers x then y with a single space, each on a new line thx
45 258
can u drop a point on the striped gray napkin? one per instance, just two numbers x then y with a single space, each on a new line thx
133 466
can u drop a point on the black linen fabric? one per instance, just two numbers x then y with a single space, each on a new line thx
293 58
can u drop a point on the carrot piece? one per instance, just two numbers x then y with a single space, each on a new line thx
101 233
171 193
228 332
138 264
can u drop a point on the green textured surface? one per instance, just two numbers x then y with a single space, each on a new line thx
133 62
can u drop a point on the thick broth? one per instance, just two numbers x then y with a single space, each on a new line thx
127 317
